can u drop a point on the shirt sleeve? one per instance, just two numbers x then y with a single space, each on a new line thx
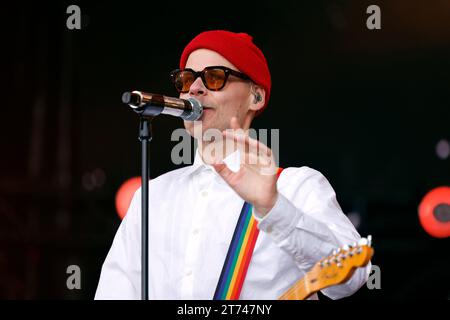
308 223
120 275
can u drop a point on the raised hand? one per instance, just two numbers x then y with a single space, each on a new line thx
256 179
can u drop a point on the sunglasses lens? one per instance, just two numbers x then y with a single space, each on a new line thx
215 78
183 81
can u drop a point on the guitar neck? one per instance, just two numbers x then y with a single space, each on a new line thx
299 291
332 270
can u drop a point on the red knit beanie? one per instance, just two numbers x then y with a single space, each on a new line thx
239 49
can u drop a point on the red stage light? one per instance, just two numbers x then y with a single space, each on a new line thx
434 212
125 194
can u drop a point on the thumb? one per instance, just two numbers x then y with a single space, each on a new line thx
223 171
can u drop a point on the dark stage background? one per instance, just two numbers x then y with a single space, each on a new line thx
367 108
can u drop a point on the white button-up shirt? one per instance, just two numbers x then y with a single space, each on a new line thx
192 217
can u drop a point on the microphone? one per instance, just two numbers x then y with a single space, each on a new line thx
150 104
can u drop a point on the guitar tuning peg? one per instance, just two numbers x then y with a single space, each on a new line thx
362 242
365 242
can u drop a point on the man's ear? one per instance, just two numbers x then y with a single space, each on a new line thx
258 97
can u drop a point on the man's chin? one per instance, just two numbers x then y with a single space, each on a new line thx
196 128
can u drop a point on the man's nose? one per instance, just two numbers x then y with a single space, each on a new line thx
197 88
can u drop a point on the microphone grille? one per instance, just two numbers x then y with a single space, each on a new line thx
126 97
197 110
133 99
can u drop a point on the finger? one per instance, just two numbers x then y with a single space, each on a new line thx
224 171
254 144
254 159
229 137
269 170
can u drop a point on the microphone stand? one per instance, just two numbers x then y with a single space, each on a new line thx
145 136
154 105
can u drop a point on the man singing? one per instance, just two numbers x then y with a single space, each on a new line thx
294 219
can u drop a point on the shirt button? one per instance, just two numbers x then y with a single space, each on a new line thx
196 231
188 273
204 194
